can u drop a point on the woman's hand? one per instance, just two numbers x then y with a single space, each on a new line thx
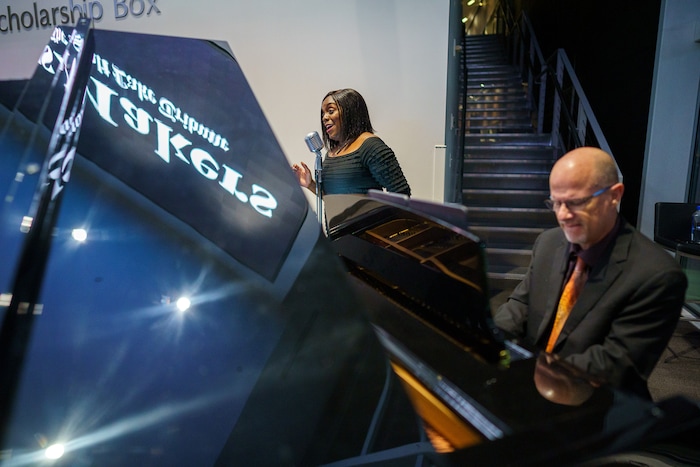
303 173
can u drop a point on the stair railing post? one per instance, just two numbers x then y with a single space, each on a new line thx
531 76
543 98
455 118
556 107
581 122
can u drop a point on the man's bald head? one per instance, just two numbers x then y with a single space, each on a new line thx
585 186
596 165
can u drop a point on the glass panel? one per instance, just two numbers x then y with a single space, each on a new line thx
145 340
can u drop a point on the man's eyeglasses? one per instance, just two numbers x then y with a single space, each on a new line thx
574 204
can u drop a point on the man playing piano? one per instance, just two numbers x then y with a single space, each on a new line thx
628 291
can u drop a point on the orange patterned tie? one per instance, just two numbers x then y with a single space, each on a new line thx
567 300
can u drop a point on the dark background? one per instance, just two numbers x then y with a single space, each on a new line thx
612 46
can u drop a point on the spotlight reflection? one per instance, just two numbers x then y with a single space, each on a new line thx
79 235
157 416
183 304
55 451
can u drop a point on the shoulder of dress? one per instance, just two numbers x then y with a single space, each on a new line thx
373 139
374 144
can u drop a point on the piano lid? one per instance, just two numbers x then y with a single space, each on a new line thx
435 268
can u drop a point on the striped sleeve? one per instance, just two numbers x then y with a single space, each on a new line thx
384 167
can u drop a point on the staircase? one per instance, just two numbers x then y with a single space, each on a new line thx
506 165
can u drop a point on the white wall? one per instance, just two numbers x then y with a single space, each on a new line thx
394 52
674 109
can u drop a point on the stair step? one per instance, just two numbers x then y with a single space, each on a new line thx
507 237
493 53
496 115
480 60
497 129
531 152
485 96
495 68
508 140
483 38
498 103
497 108
498 120
504 181
494 72
507 217
494 87
515 167
499 114
488 89
504 198
496 52
495 47
492 79
475 66
502 259
492 130
476 102
504 67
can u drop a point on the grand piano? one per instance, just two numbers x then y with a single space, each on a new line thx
485 399
168 296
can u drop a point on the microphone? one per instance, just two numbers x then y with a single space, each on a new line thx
314 142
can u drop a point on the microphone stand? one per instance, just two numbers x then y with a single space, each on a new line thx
319 190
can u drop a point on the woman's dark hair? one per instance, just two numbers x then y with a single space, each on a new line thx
354 116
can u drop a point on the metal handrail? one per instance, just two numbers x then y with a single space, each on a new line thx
586 117
556 98
572 122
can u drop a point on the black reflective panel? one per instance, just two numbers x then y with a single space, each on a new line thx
186 131
182 317
121 375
